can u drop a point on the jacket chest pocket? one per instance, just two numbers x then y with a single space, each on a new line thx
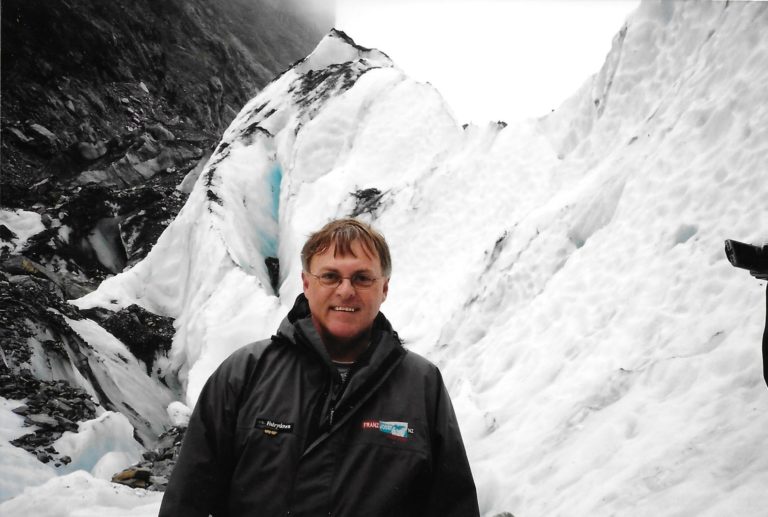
267 443
386 459
265 460
266 439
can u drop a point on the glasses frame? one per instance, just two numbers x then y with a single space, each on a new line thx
342 278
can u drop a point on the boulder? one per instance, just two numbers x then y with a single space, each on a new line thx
134 477
156 466
21 410
43 133
160 132
18 135
41 420
7 234
91 152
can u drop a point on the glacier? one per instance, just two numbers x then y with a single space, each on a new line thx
566 273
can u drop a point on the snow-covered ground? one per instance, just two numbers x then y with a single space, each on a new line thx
23 224
567 274
20 469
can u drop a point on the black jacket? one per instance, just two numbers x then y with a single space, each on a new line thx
274 432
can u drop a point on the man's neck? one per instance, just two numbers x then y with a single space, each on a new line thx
347 352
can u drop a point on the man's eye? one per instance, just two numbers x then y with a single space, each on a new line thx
329 277
363 279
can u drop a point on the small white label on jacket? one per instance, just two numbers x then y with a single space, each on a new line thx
272 427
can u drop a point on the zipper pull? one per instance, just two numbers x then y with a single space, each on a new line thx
330 419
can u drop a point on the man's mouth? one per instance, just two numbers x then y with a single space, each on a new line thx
344 309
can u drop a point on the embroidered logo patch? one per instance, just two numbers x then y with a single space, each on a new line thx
399 430
272 428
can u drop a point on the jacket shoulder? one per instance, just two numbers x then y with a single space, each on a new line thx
420 364
250 351
242 361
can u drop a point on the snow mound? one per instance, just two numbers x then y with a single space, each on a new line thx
81 495
23 224
102 446
179 413
20 468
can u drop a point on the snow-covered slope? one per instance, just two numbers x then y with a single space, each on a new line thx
567 274
613 364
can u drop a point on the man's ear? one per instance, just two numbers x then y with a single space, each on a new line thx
305 282
385 289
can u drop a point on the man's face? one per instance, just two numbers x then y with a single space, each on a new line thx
344 314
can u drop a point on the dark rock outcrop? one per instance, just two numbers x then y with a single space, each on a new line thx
106 108
154 470
367 201
145 334
126 97
53 407
79 76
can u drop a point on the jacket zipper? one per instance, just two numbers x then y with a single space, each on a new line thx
352 408
335 396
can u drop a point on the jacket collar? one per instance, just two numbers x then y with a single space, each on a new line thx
297 327
371 369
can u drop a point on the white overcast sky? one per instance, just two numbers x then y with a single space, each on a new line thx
491 59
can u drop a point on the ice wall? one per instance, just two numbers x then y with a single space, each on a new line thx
608 359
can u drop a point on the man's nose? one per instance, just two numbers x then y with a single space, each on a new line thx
345 288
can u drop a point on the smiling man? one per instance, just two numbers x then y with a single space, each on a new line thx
346 279
330 416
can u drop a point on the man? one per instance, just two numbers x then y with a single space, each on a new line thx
331 416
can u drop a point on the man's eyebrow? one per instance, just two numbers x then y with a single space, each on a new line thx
335 270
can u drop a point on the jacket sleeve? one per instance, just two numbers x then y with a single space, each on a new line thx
452 490
199 484
765 339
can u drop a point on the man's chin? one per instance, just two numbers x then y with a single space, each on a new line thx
346 338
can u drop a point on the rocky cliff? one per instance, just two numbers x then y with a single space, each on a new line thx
106 108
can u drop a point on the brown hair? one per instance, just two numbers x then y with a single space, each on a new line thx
341 233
